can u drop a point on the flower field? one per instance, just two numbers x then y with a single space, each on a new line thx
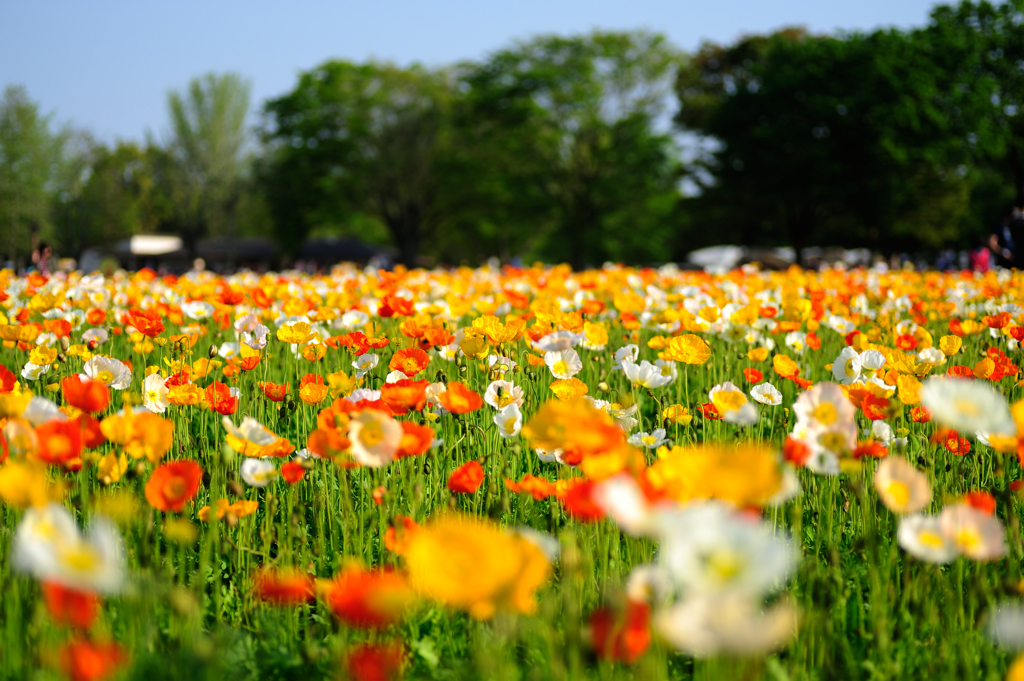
512 474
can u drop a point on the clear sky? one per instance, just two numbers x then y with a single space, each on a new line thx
107 66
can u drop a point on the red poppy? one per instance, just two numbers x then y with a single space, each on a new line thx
960 372
956 444
870 448
996 321
219 399
375 662
283 587
96 316
458 399
467 478
61 328
709 411
752 375
293 471
89 426
813 342
371 599
981 500
83 660
229 297
7 380
88 395
579 502
850 337
621 636
538 488
70 607
394 306
173 485
795 451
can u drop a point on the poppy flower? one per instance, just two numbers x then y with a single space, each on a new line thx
708 410
173 485
467 478
752 375
397 535
283 587
275 392
579 502
795 451
146 322
404 396
70 607
621 636
92 433
312 389
88 395
458 399
920 414
395 306
293 471
7 380
220 400
59 442
95 316
981 500
83 660
375 662
416 439
410 361
370 599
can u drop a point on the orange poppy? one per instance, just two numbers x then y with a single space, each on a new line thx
146 322
283 587
89 396
416 439
410 361
173 485
795 451
275 392
405 395
59 442
397 536
538 488
394 306
70 607
920 414
96 316
467 478
458 399
61 328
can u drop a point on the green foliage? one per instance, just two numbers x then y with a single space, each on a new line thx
28 153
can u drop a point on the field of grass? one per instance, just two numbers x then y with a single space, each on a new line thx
232 498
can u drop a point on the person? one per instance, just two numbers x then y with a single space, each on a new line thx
41 258
1001 243
981 257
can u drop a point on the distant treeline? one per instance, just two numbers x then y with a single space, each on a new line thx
607 146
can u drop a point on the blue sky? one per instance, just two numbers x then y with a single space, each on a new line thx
107 66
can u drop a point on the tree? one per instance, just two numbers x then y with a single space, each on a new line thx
826 139
28 155
208 138
563 140
358 141
980 46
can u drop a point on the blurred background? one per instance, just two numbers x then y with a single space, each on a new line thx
454 133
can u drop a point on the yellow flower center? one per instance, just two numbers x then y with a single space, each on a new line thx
825 413
80 558
968 539
932 540
725 564
833 441
899 493
967 408
560 367
510 424
105 377
849 367
371 434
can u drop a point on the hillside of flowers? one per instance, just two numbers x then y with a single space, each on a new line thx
524 473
